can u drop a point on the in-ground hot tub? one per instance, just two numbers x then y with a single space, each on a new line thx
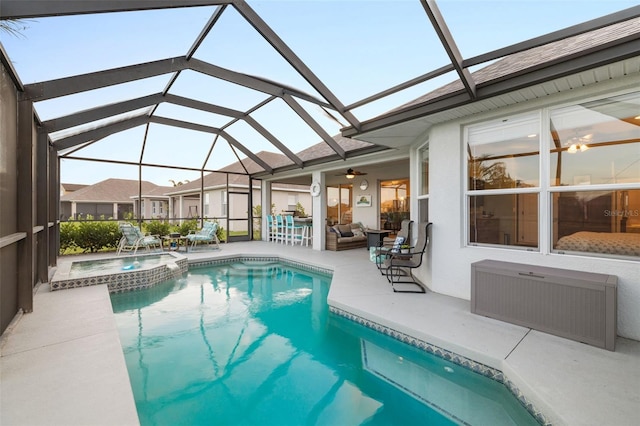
121 273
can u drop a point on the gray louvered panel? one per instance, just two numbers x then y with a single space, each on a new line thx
572 304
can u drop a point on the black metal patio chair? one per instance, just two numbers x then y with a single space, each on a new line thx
398 267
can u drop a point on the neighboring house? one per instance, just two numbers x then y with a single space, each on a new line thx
114 198
68 188
231 202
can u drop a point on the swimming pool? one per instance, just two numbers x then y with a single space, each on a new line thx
256 344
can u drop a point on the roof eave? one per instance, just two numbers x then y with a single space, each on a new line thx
593 58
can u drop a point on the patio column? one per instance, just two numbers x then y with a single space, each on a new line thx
318 204
115 211
265 199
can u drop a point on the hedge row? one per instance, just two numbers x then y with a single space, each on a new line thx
103 235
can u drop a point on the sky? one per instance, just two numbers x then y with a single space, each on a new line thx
356 47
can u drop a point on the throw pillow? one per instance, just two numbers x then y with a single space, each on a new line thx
347 234
336 229
396 244
358 233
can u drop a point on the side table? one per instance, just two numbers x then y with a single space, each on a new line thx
375 237
174 243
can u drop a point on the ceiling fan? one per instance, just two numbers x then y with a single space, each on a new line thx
352 173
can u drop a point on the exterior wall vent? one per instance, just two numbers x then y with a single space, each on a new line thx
573 304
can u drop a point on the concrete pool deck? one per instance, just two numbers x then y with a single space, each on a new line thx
63 364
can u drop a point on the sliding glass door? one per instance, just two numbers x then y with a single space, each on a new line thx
339 204
394 203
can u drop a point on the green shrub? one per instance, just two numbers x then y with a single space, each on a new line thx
95 235
157 227
186 226
67 237
88 235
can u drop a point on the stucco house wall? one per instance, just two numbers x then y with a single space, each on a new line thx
447 270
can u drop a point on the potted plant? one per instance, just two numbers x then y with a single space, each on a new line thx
404 248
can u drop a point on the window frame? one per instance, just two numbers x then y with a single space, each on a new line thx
546 188
536 116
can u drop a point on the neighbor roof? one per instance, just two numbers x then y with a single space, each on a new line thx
115 190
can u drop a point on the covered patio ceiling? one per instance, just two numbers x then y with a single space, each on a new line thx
197 110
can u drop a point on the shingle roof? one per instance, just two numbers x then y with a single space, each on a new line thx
544 55
114 190
321 150
71 187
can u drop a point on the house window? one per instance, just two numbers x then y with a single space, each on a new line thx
589 195
503 181
594 175
161 206
423 197
423 154
292 202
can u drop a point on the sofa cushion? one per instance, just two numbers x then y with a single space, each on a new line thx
342 228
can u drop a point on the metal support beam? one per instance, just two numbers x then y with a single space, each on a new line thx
54 206
18 9
232 141
203 106
402 86
184 124
255 83
440 26
314 125
26 205
609 53
205 31
281 47
274 141
42 206
96 80
100 132
100 113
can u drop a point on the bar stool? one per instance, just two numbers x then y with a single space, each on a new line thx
271 233
307 234
291 228
281 236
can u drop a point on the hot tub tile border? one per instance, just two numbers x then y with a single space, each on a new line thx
477 367
125 281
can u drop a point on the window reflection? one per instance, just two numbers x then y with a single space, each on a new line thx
504 155
394 203
339 205
596 143
605 222
509 219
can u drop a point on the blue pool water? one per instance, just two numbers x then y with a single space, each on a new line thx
82 268
256 345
